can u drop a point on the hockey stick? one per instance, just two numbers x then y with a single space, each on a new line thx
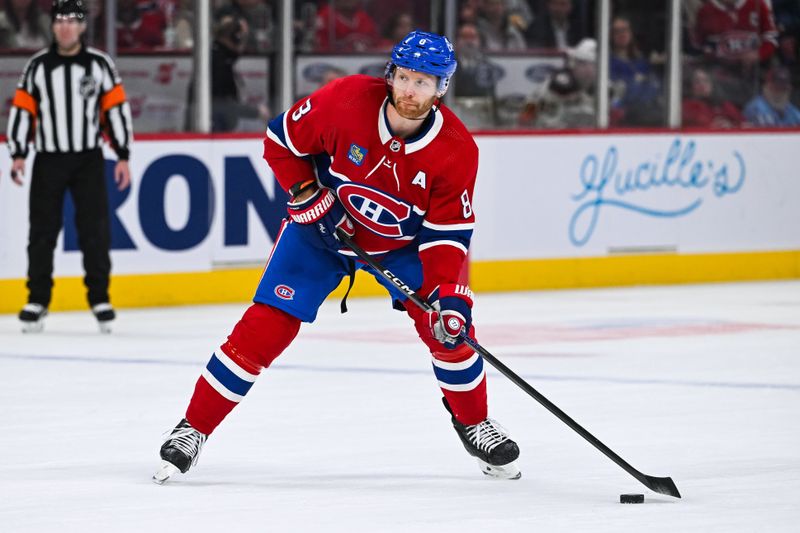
662 485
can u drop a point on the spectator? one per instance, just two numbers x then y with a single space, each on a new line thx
496 27
555 28
345 27
22 25
772 107
787 15
649 23
475 76
140 24
787 18
703 108
519 13
474 81
305 26
635 90
468 12
330 74
230 38
569 97
183 24
397 26
736 36
257 14
737 31
382 10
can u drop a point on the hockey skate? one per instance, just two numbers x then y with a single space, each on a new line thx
32 317
104 314
180 451
490 444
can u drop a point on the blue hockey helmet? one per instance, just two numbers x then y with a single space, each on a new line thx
425 52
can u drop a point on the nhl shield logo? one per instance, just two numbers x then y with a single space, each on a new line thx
395 145
87 86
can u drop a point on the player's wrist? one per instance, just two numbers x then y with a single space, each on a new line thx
302 190
306 194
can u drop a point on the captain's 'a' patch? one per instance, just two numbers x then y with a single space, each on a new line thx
419 179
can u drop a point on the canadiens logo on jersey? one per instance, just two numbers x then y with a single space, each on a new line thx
736 43
356 154
373 209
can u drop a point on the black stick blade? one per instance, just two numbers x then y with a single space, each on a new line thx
662 485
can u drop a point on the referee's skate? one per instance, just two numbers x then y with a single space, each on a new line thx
32 317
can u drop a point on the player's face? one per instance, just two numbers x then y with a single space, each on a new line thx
413 92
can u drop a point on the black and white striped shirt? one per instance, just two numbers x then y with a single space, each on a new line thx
65 102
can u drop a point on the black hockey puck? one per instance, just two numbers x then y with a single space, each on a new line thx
631 498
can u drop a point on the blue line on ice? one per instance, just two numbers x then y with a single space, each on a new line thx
304 368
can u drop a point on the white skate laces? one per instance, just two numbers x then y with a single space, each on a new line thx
487 435
189 441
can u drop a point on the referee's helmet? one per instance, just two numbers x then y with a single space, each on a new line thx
69 9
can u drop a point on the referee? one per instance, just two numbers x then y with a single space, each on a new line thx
68 96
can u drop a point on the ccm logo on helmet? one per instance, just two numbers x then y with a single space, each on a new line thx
373 209
284 292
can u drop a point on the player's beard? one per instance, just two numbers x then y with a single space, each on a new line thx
411 110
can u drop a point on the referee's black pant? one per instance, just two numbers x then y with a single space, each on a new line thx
83 174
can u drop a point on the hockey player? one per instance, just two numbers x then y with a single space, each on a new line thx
383 161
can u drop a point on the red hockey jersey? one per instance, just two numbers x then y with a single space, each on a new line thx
729 32
398 192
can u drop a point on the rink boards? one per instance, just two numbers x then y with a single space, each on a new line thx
572 210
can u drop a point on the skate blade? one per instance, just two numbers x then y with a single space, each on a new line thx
166 471
509 471
33 327
105 327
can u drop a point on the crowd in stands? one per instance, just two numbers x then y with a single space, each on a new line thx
741 63
741 57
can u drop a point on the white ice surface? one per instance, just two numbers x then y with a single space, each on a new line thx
346 431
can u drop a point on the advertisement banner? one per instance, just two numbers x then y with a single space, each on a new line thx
593 195
191 205
197 204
